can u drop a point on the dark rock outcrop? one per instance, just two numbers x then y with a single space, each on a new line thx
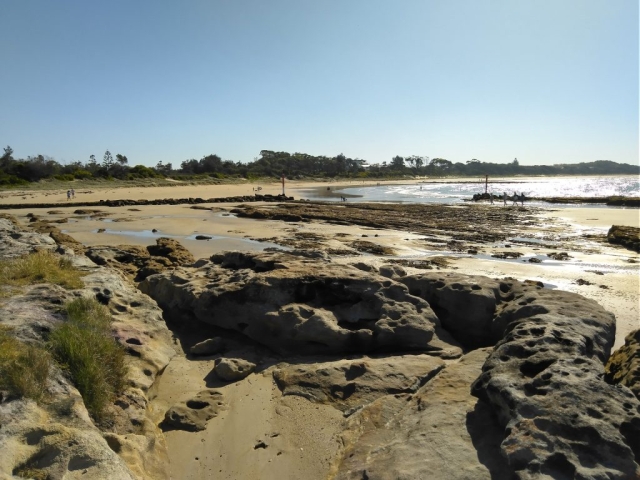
210 346
623 366
137 262
161 201
628 237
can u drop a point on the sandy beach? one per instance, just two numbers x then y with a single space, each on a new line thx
303 437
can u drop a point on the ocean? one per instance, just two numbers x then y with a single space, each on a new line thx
455 192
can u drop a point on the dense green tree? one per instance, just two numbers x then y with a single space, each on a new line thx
397 162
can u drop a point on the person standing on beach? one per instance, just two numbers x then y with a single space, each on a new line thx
73 193
515 199
68 195
504 198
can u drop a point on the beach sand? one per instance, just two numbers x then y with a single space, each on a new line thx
303 437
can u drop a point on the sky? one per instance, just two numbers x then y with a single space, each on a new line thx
546 81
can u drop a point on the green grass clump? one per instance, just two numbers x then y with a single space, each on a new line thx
40 267
24 368
85 347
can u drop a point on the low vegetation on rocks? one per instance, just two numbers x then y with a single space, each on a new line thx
39 267
24 368
85 347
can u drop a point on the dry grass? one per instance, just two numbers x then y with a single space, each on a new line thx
85 347
40 267
24 368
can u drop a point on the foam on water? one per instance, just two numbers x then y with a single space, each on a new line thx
446 192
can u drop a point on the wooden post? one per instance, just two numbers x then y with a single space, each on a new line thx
282 183
486 184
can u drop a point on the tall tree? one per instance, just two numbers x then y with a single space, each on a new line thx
121 159
397 162
107 161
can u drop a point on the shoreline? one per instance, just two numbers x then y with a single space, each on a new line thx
238 192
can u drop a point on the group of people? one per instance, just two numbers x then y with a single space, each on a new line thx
515 197
71 194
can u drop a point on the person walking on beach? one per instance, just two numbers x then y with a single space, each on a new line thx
522 198
68 195
515 199
504 198
73 194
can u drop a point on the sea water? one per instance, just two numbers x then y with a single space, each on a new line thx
454 192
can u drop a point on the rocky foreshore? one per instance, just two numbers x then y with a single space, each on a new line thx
611 201
435 375
164 201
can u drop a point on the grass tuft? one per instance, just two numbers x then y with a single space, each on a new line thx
40 267
85 347
24 368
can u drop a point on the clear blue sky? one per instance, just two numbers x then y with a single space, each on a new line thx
547 81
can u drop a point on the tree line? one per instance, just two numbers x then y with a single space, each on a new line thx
274 164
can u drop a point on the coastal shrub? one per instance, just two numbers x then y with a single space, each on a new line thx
82 174
66 177
12 180
40 267
24 368
85 347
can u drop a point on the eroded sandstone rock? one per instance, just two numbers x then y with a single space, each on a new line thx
291 305
440 433
192 415
209 346
623 366
348 384
138 262
545 382
233 369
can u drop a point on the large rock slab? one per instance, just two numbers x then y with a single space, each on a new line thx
35 441
545 382
294 304
16 242
440 433
349 384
